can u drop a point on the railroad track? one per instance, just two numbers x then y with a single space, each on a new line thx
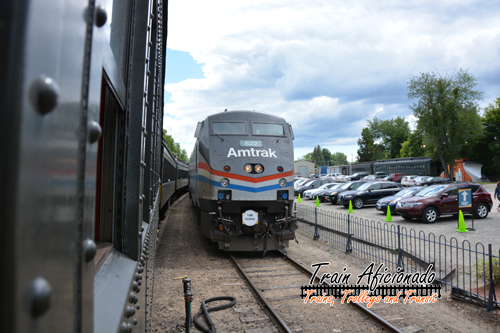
276 282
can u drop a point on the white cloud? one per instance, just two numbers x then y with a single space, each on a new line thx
325 66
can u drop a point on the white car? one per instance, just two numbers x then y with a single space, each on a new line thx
313 193
408 180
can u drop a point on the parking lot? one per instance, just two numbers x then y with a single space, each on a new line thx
486 230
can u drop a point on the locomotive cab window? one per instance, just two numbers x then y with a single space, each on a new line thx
226 128
268 129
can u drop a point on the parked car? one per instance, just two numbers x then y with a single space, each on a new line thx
299 182
370 177
408 180
385 179
332 194
356 176
333 175
368 193
321 193
313 183
392 200
438 200
340 179
311 194
426 181
397 177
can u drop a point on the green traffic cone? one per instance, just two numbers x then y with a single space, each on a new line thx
317 201
389 217
299 198
461 222
350 207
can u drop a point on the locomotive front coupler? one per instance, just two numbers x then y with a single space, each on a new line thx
225 225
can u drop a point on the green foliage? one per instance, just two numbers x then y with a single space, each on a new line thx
392 133
338 159
368 149
481 270
414 146
175 147
327 157
447 114
491 123
318 157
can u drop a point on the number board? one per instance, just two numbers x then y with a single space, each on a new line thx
250 143
464 198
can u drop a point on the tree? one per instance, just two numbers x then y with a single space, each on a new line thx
338 159
318 157
487 149
327 155
446 109
391 132
414 146
368 149
175 147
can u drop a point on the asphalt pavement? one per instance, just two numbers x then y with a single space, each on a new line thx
486 230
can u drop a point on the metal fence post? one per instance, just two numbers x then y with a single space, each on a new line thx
400 256
348 246
316 234
490 306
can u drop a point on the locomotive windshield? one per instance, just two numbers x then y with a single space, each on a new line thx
268 129
229 128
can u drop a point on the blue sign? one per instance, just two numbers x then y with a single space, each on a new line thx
464 198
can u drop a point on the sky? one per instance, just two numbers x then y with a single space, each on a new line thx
325 66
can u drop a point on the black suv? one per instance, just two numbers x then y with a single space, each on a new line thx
357 176
368 193
332 194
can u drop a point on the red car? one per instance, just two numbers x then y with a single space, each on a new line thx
439 200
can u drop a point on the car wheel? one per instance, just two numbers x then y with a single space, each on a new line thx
430 215
481 211
358 203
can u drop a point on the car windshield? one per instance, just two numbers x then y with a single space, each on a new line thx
431 191
428 178
309 182
364 186
346 185
323 186
407 192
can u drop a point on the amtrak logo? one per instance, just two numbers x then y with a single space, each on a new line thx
252 152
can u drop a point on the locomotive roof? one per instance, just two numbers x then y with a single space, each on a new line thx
245 115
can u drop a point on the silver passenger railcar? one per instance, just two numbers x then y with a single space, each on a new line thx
81 100
241 180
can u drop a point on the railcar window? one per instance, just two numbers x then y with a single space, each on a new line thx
229 128
268 129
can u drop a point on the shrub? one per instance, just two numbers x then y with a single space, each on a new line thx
482 270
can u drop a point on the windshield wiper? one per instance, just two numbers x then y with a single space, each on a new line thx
219 136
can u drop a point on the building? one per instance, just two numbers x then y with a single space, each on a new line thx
303 168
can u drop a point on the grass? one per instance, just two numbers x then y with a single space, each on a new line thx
482 270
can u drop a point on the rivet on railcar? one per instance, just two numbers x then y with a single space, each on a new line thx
240 180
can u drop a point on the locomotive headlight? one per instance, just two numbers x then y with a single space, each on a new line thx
282 182
224 182
259 168
248 168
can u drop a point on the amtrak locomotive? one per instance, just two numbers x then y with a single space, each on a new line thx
241 178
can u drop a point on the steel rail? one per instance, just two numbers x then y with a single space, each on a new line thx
273 312
384 323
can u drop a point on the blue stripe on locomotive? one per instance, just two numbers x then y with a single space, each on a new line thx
204 179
